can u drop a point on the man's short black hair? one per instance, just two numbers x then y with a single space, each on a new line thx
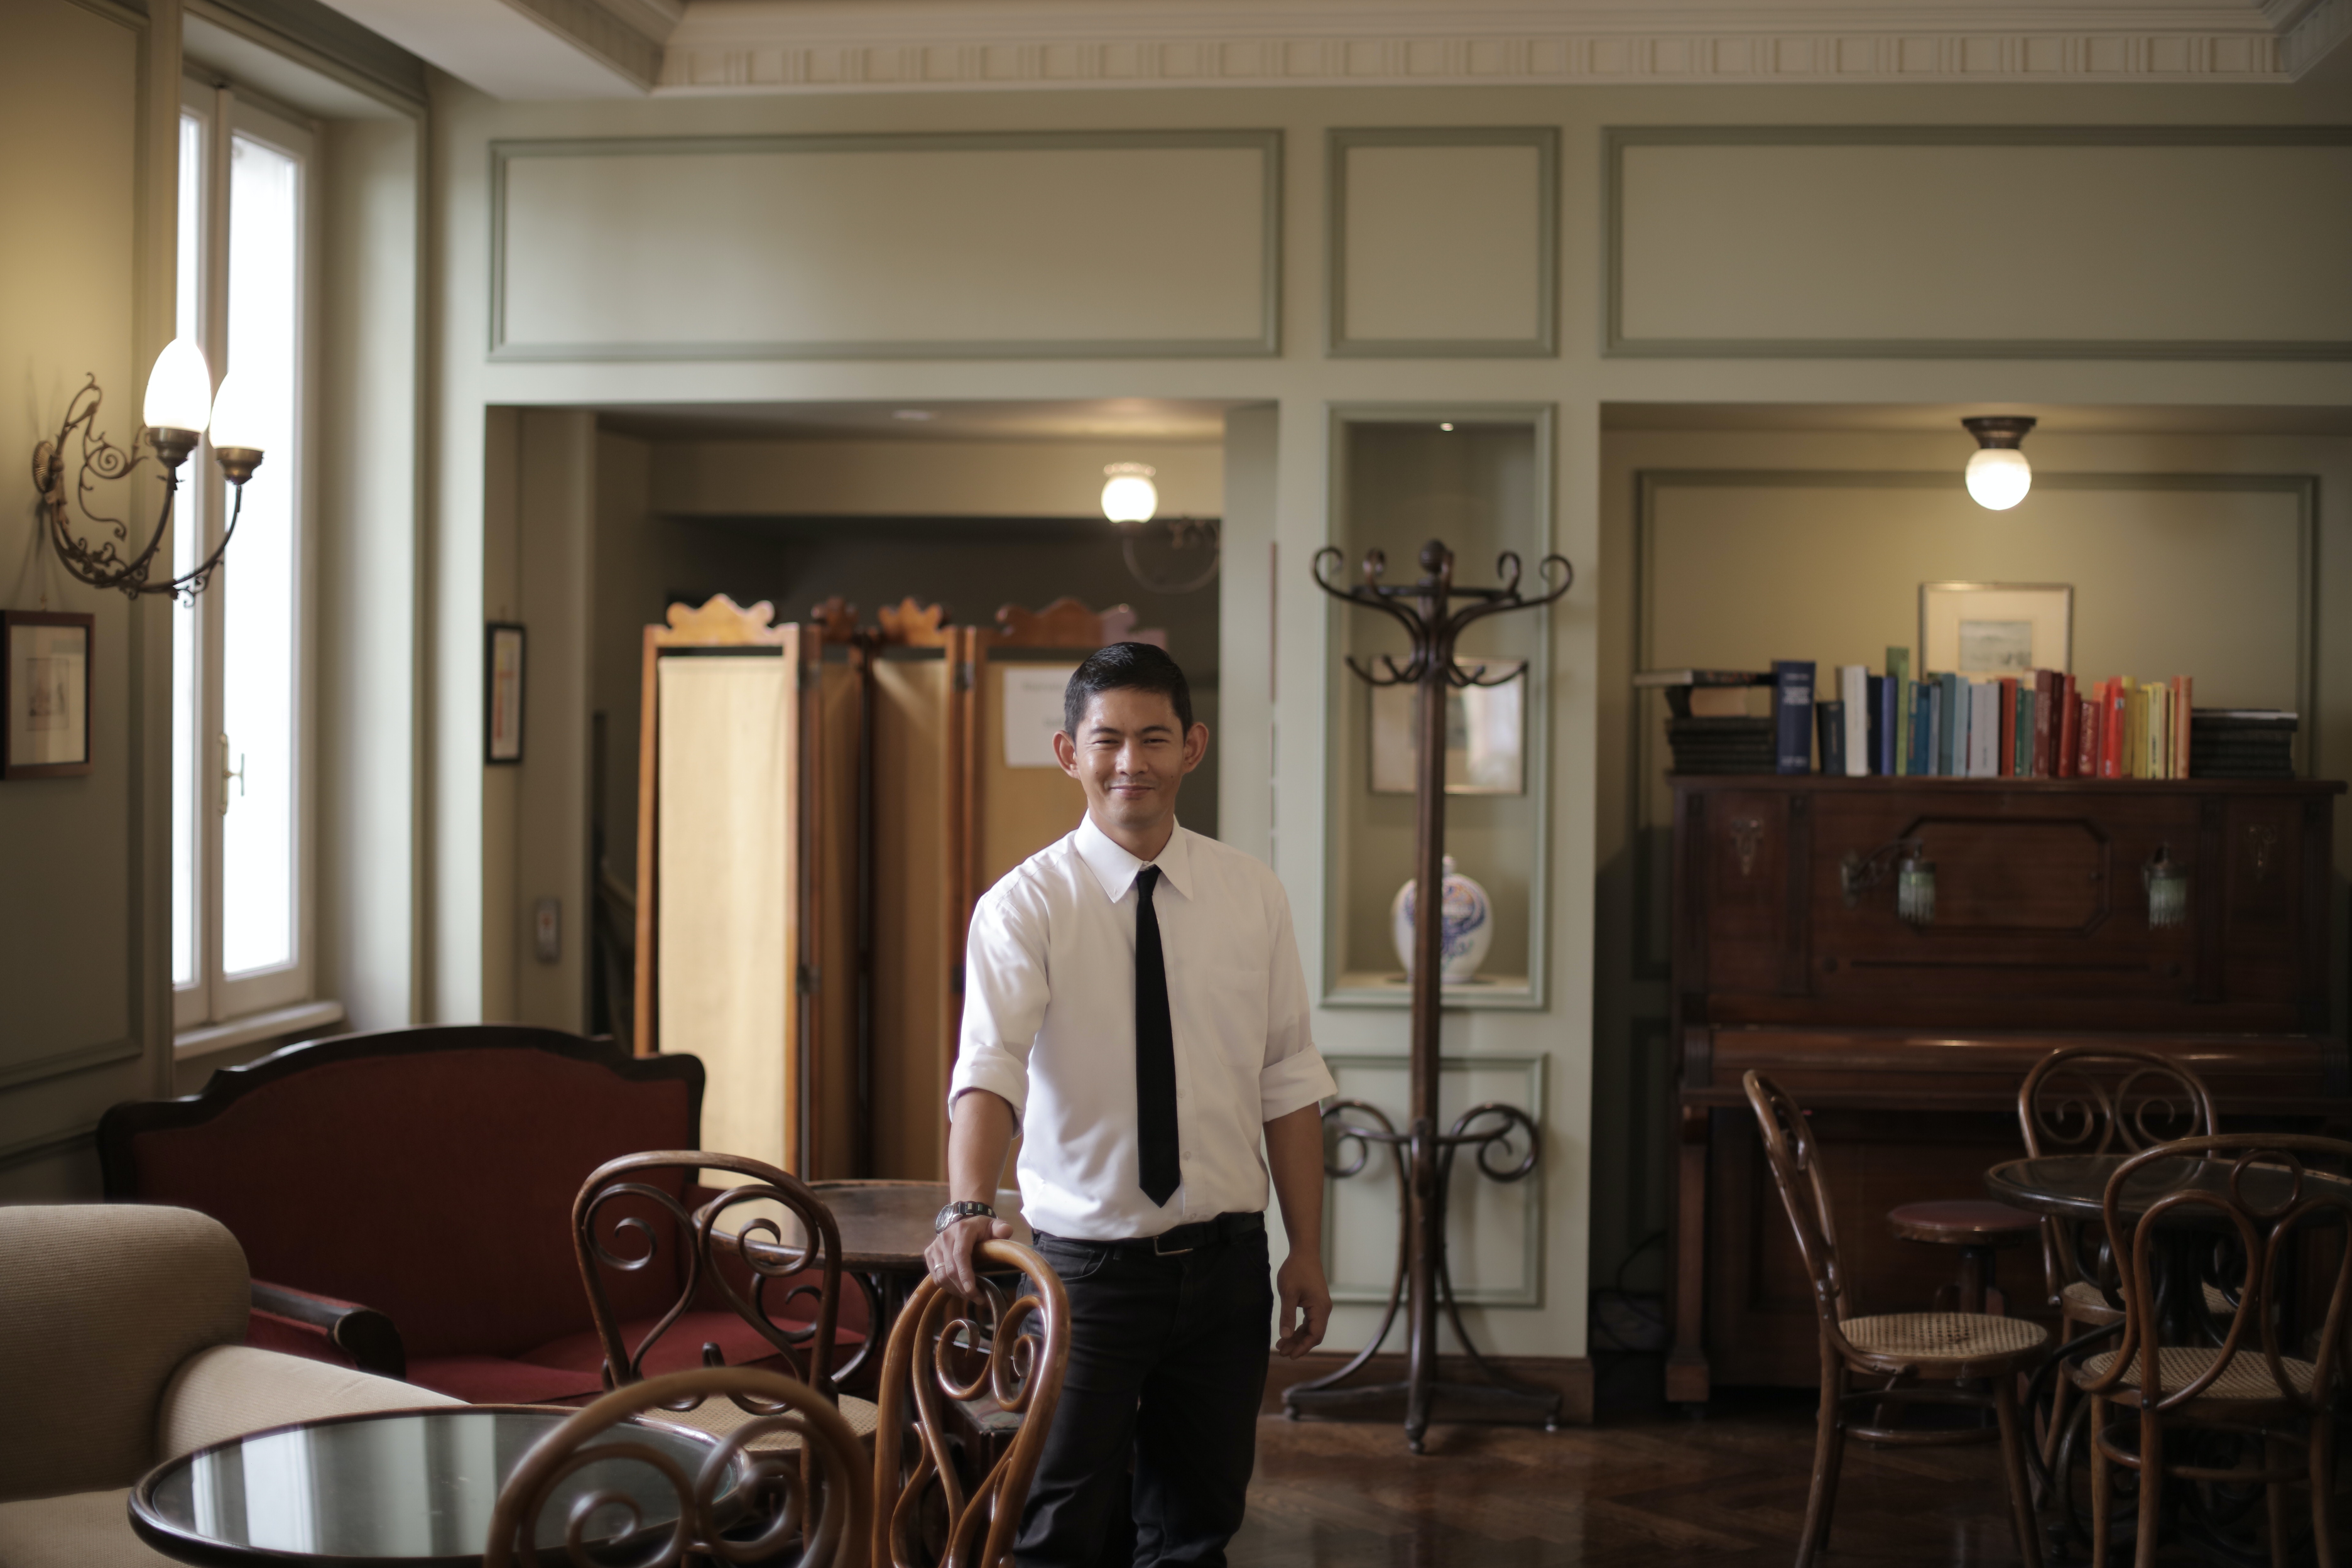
1126 666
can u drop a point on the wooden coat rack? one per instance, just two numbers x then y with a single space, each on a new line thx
1422 1283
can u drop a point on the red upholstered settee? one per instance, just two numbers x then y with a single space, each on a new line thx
405 1202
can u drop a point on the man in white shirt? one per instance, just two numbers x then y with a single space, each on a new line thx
1134 1006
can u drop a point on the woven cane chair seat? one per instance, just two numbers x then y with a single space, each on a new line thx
1943 1336
2247 1377
720 1415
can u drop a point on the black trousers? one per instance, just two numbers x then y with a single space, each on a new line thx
1167 1364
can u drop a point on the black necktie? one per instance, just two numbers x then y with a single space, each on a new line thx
1155 1052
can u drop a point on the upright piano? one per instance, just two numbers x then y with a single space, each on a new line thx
1907 1037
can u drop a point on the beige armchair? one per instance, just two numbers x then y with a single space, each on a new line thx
119 1347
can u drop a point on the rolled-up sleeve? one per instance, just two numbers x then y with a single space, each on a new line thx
1004 995
1294 1074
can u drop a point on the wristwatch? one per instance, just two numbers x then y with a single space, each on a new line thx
967 1209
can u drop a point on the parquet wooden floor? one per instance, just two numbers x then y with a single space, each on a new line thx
1649 1488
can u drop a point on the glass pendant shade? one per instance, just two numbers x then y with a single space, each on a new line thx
1915 891
1998 477
179 389
1128 495
240 421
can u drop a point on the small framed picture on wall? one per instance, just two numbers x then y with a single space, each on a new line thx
502 700
45 687
1996 629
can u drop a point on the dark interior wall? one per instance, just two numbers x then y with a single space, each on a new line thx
971 566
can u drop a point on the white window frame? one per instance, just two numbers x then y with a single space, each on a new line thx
214 998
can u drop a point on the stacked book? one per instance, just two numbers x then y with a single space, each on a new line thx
2241 743
1708 727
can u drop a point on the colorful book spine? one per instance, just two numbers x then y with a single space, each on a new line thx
1793 715
1898 678
1931 739
1921 730
2005 765
2028 717
2086 738
2063 759
1984 732
2182 712
1853 694
1829 717
1952 735
2047 724
1880 729
2111 730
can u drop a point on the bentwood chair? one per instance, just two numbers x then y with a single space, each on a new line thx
1905 1357
947 1351
777 1305
819 1498
2257 1187
2100 1100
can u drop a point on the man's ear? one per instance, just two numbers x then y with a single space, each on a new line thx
1066 751
1196 746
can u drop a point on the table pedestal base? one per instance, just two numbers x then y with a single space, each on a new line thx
1445 1401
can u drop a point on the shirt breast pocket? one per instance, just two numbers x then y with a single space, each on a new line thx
1223 987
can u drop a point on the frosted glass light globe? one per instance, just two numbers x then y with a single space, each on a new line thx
1998 477
240 419
179 389
1128 495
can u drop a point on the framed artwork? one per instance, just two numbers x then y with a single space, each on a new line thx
45 688
502 701
1486 732
1996 629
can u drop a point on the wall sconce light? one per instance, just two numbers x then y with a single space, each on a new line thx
1915 878
1999 476
2168 889
179 406
1131 501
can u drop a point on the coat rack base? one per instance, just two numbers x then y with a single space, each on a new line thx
1479 1404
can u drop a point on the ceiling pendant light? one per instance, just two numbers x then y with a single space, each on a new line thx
1999 476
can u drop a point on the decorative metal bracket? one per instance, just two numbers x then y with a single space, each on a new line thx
1915 890
103 565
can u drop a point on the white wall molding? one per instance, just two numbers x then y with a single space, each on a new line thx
829 46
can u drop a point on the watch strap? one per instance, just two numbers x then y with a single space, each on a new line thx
966 1208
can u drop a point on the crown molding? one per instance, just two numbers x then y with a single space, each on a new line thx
831 46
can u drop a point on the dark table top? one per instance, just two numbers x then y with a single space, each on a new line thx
885 1225
408 1488
2074 1186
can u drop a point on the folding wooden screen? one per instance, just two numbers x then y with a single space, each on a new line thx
819 808
730 777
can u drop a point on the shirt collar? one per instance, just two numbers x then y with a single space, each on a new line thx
1115 869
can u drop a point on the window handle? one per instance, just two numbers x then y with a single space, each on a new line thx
227 773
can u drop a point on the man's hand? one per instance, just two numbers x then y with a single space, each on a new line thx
949 1255
1306 1304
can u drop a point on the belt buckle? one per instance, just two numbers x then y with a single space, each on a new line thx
1160 1251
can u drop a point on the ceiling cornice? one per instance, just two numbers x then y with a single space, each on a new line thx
854 45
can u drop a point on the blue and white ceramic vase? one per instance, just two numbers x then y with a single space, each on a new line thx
1468 932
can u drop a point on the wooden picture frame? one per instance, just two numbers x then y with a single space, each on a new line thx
1996 629
46 658
502 693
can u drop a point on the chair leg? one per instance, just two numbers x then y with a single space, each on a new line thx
2102 1487
2151 1487
2323 1486
1829 1452
2012 1462
2274 1500
2060 1388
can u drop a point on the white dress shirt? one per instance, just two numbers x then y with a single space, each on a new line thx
1049 1024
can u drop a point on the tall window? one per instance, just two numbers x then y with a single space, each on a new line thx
240 931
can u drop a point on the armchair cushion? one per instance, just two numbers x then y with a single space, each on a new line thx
230 1389
99 1305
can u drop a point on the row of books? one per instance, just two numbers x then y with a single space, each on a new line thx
2037 724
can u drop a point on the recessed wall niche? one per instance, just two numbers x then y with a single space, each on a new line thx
1480 478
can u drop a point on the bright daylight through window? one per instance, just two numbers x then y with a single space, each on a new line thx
239 886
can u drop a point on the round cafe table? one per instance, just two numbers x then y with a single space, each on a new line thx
2074 1186
398 1489
885 1225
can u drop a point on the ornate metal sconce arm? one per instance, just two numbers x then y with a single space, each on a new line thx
103 563
1915 895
